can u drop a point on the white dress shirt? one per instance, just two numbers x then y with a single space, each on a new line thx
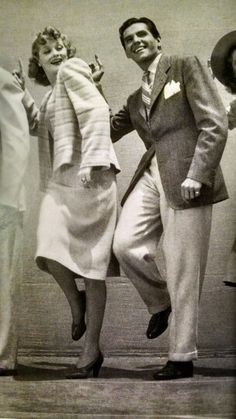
153 68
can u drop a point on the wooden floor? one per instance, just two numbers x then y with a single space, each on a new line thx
125 388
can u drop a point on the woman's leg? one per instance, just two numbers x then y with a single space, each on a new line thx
65 279
95 308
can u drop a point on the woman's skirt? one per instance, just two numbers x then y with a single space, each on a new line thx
76 225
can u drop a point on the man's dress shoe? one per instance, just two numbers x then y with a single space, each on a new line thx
230 283
7 371
158 323
173 370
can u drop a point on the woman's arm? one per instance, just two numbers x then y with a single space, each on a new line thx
28 102
120 123
32 112
91 110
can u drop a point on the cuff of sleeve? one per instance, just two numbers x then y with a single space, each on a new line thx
103 165
206 180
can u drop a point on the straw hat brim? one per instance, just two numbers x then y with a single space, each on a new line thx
220 53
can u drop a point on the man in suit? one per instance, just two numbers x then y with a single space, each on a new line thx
14 150
181 120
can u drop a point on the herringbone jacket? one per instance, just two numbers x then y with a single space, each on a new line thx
187 130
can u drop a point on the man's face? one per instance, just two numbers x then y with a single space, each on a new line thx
140 44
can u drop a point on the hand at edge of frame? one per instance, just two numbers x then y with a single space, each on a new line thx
19 75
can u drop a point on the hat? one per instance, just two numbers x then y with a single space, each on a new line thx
219 55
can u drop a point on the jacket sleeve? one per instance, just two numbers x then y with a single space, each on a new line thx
232 115
32 112
121 124
14 147
210 118
91 110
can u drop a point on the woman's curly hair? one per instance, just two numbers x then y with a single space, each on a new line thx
35 71
230 77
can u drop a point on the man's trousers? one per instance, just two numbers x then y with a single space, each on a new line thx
145 218
10 275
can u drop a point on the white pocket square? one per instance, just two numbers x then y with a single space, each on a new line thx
171 88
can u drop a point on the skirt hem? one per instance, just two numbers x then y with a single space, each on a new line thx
92 274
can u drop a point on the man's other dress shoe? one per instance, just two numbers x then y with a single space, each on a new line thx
158 323
7 371
173 370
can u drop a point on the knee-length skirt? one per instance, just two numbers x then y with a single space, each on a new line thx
76 225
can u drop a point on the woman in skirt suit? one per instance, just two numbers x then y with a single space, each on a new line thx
77 168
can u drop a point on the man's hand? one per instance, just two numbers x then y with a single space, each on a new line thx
190 189
85 176
20 75
97 70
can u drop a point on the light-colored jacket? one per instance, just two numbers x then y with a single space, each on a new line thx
14 142
81 125
187 129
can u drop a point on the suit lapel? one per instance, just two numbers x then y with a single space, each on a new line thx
137 103
160 77
159 83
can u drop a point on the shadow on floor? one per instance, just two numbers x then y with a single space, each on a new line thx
45 371
52 371
215 372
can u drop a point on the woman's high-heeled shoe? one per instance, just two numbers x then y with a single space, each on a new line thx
77 330
92 368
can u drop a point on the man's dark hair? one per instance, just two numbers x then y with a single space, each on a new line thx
149 23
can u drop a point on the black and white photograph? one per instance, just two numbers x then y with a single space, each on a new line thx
117 209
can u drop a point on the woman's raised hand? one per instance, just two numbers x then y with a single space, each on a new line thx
97 70
20 75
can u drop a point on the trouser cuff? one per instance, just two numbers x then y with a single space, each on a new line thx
160 307
182 357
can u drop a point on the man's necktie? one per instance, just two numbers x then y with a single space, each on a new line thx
146 90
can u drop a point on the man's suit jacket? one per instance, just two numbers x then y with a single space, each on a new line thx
14 142
187 129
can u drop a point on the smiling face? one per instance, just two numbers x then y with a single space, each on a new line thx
140 45
50 56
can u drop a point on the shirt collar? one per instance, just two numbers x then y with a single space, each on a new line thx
153 66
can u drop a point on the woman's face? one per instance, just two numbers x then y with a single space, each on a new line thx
233 62
51 56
